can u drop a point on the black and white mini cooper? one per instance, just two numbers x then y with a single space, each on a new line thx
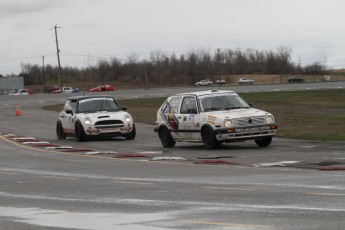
86 116
212 117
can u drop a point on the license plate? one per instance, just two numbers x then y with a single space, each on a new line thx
110 130
252 129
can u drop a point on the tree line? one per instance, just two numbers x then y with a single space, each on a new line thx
168 69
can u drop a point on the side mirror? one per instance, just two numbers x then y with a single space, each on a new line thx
251 104
69 112
124 108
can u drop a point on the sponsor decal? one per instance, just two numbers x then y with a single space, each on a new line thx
211 120
191 118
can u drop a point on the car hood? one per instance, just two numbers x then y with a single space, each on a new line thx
104 115
237 113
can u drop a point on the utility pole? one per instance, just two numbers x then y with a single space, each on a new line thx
147 80
43 75
58 55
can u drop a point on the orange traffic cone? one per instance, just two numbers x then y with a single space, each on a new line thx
18 112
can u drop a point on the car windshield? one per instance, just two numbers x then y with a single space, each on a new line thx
222 101
90 105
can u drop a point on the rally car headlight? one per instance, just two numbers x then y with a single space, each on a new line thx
87 120
227 123
270 119
128 118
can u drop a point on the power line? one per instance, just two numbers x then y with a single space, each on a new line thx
89 56
23 58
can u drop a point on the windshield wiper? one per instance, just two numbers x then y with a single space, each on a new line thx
236 107
212 109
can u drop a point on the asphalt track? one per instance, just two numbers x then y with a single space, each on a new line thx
138 184
35 122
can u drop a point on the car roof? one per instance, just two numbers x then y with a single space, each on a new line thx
87 97
207 92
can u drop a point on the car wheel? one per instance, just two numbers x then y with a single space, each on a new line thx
132 134
264 142
59 131
209 138
79 132
166 138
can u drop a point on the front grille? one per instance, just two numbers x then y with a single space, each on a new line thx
109 124
248 121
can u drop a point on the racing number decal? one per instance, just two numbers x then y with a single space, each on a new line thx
173 121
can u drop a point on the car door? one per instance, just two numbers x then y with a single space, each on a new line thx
67 116
189 125
170 114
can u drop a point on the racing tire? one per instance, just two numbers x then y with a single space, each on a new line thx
79 132
166 138
59 131
264 142
131 135
209 138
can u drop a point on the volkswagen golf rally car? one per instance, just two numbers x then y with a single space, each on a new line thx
86 116
212 117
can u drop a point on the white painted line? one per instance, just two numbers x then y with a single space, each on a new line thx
325 194
224 188
61 177
34 142
60 147
308 146
131 182
281 163
167 158
100 152
231 225
151 152
24 138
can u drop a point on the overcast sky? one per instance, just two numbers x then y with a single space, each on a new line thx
93 29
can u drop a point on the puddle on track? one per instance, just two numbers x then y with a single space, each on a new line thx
78 220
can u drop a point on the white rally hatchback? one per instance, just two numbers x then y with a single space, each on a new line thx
87 116
212 117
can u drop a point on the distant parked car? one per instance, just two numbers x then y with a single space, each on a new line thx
296 79
101 88
51 89
21 92
206 82
220 82
68 89
245 81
